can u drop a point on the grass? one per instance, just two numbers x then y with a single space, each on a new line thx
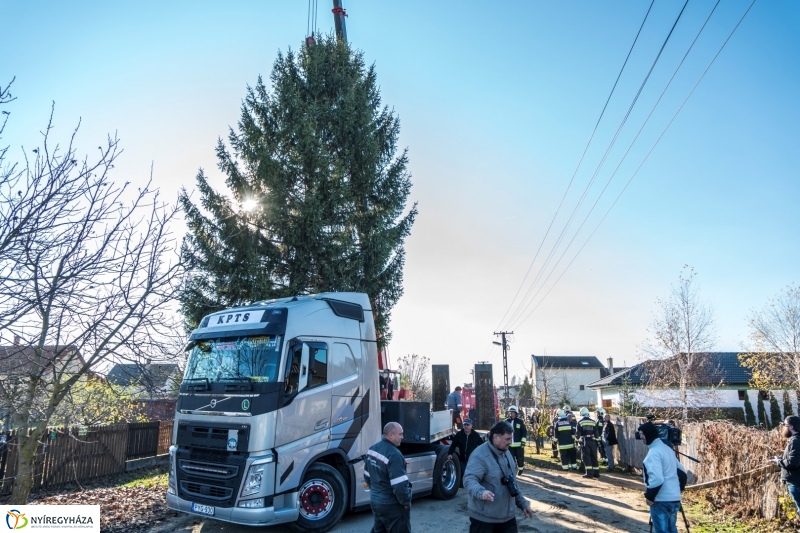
150 478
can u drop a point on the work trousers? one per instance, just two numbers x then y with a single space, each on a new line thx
457 419
609 454
478 526
601 449
391 518
568 458
519 454
589 457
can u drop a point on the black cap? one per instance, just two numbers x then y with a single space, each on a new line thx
650 432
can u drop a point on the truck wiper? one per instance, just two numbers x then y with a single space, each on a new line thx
238 385
202 384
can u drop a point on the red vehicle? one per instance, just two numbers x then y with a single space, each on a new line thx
468 397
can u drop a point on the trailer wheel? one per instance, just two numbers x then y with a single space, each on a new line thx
446 475
323 499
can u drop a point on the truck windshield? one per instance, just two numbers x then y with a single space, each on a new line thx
255 359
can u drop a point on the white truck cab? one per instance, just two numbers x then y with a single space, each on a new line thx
279 404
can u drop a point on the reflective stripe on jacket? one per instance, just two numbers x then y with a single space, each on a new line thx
520 431
385 473
564 433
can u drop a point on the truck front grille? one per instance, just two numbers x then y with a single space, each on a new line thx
201 491
208 473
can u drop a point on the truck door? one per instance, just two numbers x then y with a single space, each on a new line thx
306 418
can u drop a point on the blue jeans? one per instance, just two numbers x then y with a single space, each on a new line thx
665 516
794 492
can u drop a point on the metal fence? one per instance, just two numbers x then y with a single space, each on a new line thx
77 455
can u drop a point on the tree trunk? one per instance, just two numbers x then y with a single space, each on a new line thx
28 442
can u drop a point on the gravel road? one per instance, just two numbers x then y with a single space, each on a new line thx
564 502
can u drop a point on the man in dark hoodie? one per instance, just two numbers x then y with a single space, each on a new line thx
790 462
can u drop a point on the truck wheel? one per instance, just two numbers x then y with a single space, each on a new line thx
323 499
446 475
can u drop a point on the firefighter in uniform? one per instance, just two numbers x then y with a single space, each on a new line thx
519 437
587 433
566 445
600 423
389 488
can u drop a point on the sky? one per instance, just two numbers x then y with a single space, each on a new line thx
498 103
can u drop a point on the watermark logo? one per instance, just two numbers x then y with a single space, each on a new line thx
16 519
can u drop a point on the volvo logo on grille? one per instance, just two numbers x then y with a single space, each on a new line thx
213 403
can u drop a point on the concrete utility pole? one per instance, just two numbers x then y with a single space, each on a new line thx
338 18
504 344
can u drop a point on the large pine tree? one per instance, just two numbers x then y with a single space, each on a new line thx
316 154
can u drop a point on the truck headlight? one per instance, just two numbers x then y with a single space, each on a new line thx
172 483
252 482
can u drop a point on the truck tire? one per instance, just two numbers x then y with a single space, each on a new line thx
446 475
323 499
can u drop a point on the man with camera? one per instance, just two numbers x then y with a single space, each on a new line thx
663 487
491 481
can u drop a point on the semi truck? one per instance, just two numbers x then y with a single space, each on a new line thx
278 407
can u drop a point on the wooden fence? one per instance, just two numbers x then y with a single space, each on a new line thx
65 456
733 466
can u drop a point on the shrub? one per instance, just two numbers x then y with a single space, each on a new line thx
750 416
774 411
762 413
787 405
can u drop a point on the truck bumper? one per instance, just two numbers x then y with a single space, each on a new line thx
264 516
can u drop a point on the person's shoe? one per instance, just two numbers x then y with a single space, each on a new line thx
586 475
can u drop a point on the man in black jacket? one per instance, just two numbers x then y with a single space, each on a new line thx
465 442
389 489
609 440
790 462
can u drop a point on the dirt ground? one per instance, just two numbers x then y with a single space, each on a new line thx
563 501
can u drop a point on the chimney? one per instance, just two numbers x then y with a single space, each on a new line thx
16 340
610 365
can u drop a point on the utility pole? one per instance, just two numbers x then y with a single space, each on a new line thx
338 18
504 344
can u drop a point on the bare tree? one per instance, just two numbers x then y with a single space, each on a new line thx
774 351
88 274
415 370
680 337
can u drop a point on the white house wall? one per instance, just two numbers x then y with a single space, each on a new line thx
574 378
721 398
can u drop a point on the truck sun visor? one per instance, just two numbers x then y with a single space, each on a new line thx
346 309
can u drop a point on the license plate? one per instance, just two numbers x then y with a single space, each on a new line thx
203 509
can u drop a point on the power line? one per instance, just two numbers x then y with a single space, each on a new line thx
625 155
644 160
579 164
523 307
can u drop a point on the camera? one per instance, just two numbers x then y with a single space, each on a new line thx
509 482
668 433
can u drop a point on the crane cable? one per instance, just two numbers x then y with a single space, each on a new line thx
643 161
311 20
522 308
536 255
